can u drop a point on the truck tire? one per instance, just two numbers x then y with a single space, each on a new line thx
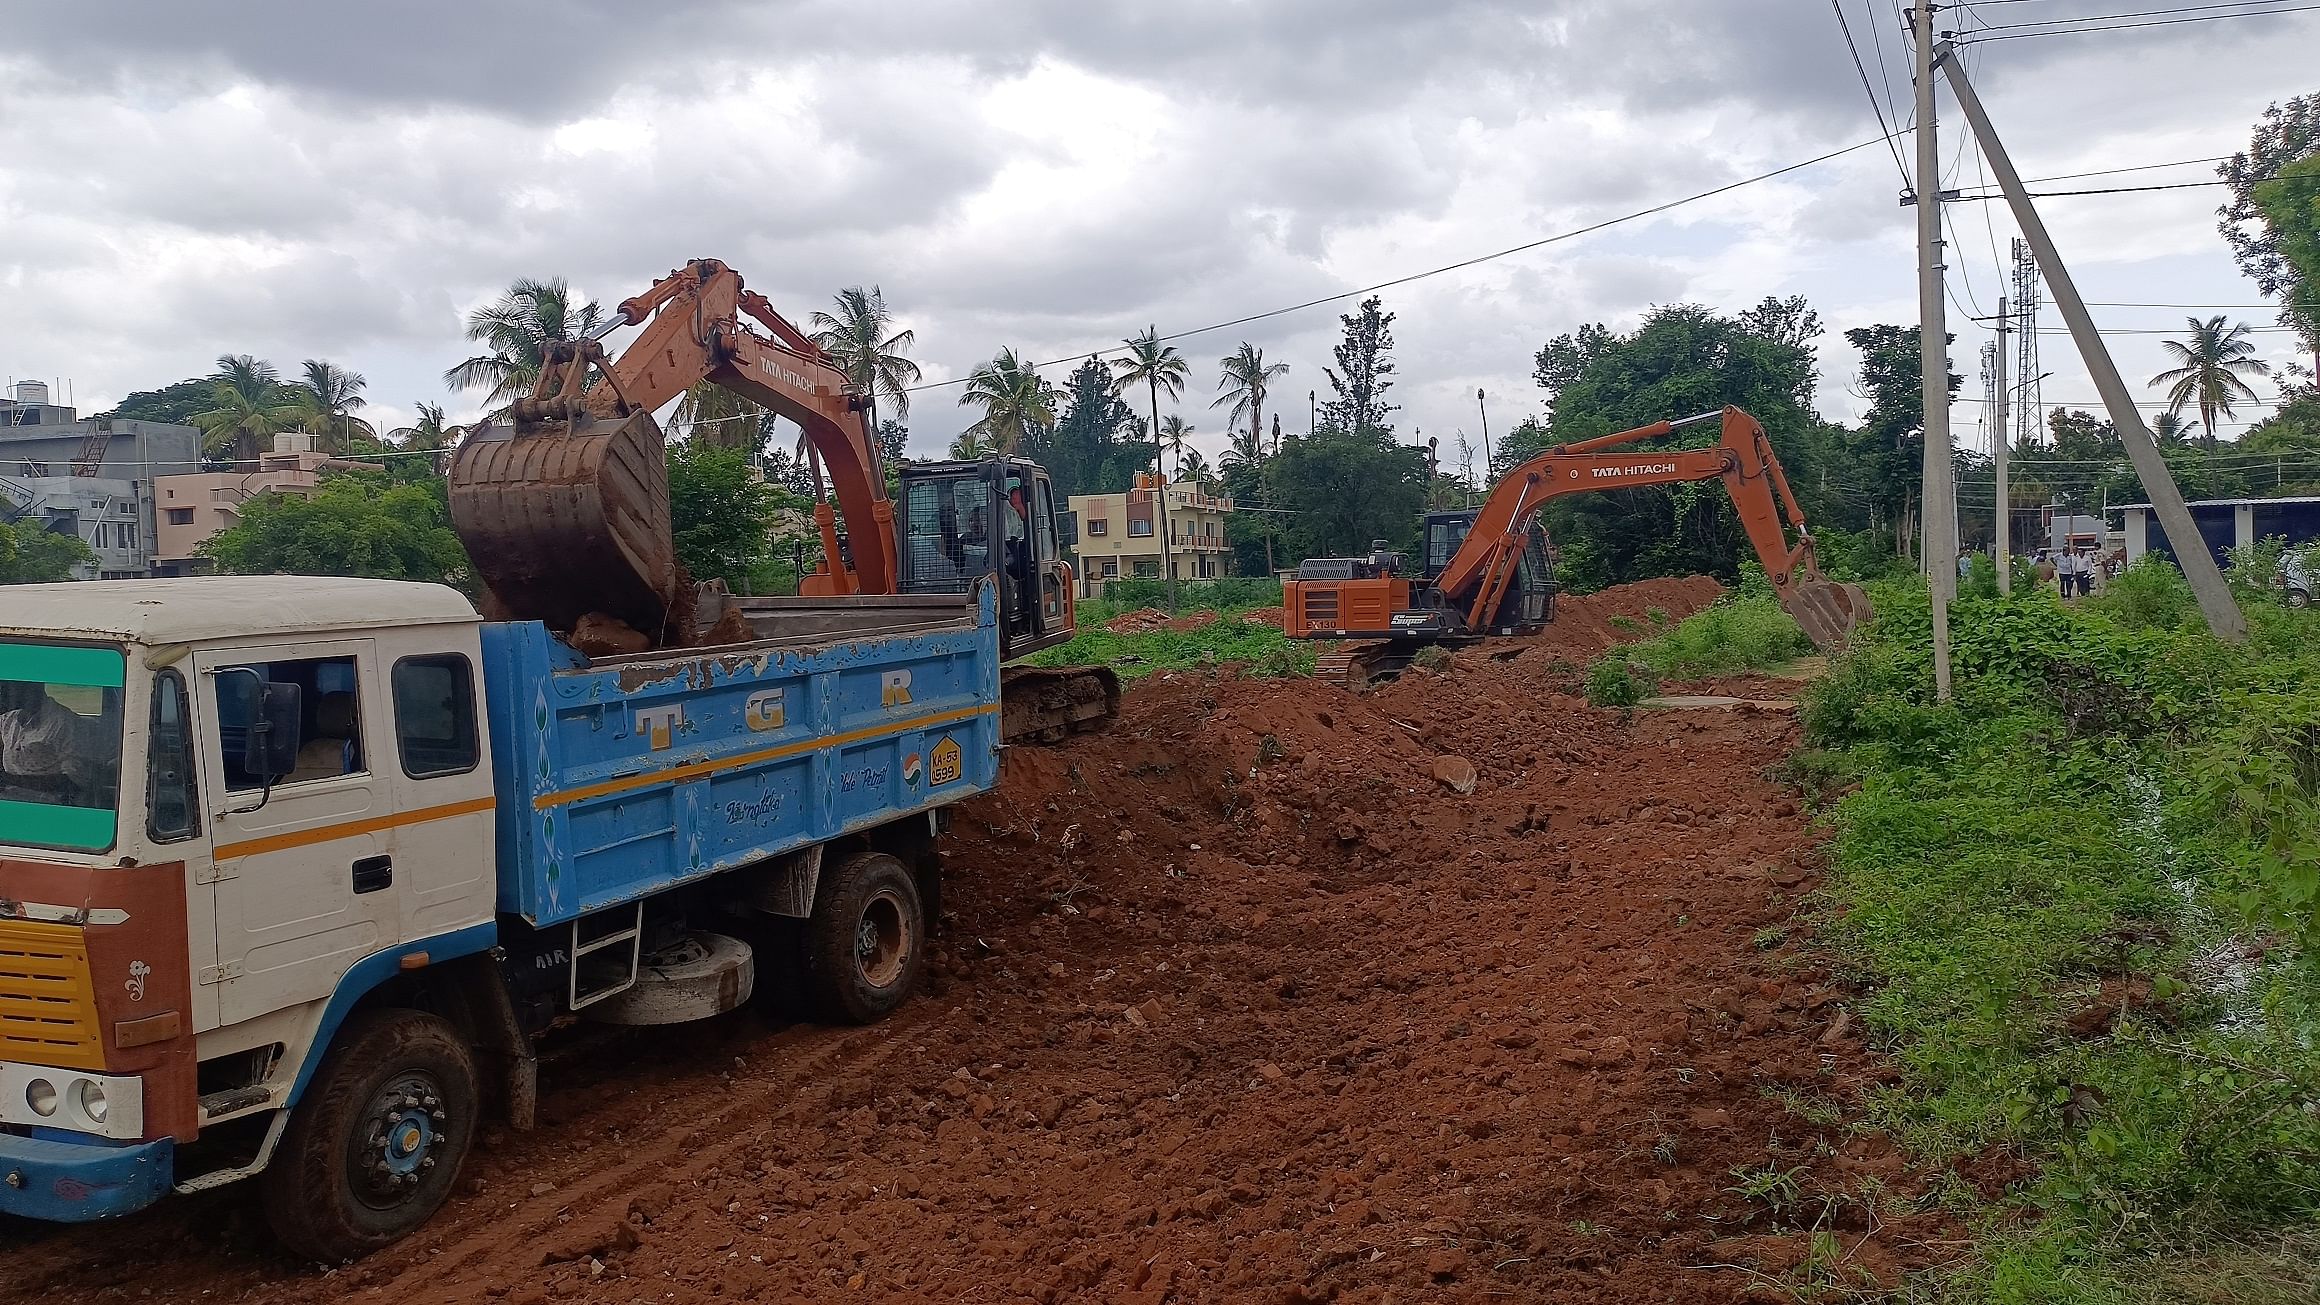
374 1146
866 942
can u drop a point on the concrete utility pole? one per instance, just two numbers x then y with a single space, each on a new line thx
1938 511
2001 436
2223 615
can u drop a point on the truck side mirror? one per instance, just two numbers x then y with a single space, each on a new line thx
1067 525
271 749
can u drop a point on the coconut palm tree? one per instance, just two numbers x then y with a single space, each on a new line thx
248 404
327 396
1018 404
970 446
1175 433
1247 377
2208 370
871 356
1156 367
516 327
1193 467
429 434
2172 431
1243 448
719 418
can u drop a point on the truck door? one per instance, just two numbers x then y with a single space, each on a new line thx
442 789
304 872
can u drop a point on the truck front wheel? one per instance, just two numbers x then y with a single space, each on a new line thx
866 941
373 1148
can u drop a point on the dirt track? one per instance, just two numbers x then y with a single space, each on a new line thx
1239 1001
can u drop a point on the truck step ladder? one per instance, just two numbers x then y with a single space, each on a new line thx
620 979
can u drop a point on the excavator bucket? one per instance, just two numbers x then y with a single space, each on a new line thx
570 518
1828 610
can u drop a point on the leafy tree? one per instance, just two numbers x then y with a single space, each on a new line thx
355 524
873 356
968 445
2286 134
1343 490
721 514
176 404
1018 404
1887 454
893 442
1155 366
1096 446
516 328
1246 380
2291 212
1363 372
327 397
1245 448
248 405
1683 359
32 555
2207 371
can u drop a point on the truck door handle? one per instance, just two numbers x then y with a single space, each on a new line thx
372 873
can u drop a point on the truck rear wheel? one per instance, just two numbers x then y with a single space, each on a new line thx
374 1146
866 942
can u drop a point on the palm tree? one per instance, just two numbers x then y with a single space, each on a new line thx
1244 448
1156 367
1018 403
327 396
2208 370
1247 376
1194 468
429 434
248 404
871 357
1175 433
2171 431
516 327
970 446
719 418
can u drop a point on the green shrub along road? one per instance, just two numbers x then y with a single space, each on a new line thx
2082 900
1258 646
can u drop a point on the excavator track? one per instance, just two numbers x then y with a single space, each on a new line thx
1360 665
1047 704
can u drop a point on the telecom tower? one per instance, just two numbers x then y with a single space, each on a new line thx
2029 410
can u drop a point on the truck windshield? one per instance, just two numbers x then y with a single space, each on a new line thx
60 744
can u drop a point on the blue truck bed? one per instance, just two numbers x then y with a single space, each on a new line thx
621 777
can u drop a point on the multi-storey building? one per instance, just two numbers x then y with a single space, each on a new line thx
1120 535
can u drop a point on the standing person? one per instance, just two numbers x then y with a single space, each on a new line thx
2066 566
2086 569
2042 566
1965 563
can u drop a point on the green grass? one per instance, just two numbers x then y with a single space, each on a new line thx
2112 799
1262 649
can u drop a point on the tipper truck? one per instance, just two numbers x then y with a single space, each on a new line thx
295 872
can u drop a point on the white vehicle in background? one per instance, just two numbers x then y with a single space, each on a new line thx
2295 579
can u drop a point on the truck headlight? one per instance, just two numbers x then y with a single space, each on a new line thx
40 1094
89 1095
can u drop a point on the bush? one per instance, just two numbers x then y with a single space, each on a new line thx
1614 682
2150 595
1743 632
1196 595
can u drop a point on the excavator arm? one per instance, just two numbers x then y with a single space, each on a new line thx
1477 575
565 510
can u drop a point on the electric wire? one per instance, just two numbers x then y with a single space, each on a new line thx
1982 38
1475 261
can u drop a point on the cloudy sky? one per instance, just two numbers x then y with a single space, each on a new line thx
303 179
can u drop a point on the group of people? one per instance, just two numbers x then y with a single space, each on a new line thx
2075 572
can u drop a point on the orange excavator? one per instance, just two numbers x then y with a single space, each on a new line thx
1487 570
565 508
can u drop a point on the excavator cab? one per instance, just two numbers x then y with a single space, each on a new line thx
960 522
1530 597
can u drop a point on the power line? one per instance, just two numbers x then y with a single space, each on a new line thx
1874 106
1979 38
1448 267
2101 190
2112 172
2238 6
